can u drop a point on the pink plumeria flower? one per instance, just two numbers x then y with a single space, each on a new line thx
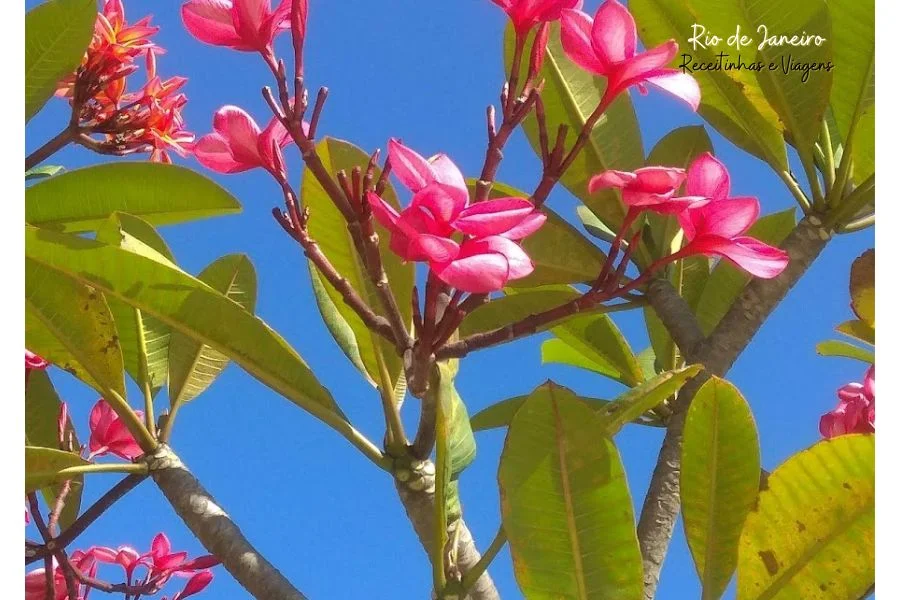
33 361
855 412
648 188
525 14
237 144
247 25
484 265
36 581
607 45
717 228
196 584
109 435
125 556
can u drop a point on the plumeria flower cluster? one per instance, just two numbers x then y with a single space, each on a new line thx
111 119
713 222
471 247
855 412
156 567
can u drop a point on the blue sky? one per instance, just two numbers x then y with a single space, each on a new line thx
422 70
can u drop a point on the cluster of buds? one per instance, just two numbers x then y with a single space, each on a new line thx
159 565
105 116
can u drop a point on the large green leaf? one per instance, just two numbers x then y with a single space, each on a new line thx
637 401
864 146
81 200
854 56
328 227
501 413
731 100
726 282
560 253
594 342
57 33
42 466
812 533
42 412
193 366
143 338
565 503
799 97
845 350
859 330
862 287
187 305
69 324
719 480
570 94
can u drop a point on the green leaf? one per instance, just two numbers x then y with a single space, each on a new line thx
863 151
516 305
726 282
859 330
845 350
70 324
328 227
719 480
144 339
193 366
635 402
862 287
812 534
42 410
731 100
570 95
57 34
854 54
560 253
565 503
81 200
678 148
42 466
187 305
454 435
800 98
43 171
594 342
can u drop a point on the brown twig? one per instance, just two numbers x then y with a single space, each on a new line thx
54 145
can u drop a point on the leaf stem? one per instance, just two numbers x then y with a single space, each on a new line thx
144 374
794 188
481 566
828 152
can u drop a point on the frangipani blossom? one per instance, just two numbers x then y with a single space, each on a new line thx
717 228
110 435
607 45
648 188
237 144
33 361
484 254
247 25
196 584
36 580
525 14
855 412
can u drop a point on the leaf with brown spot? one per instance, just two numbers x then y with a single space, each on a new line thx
862 287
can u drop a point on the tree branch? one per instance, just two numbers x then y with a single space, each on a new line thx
717 353
215 529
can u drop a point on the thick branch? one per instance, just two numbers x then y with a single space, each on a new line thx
718 353
215 529
419 505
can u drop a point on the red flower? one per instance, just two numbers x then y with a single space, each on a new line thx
109 435
248 25
525 14
648 188
855 412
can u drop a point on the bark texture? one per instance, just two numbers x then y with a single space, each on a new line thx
215 529
717 353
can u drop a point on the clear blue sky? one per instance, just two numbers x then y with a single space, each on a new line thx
422 70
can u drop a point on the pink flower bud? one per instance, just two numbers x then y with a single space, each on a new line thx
109 435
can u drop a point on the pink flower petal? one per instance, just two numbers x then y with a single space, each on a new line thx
241 132
446 172
520 264
681 85
383 212
749 254
493 217
195 585
477 274
428 247
526 227
726 218
440 200
610 179
249 16
210 21
214 153
613 35
575 35
658 180
707 176
646 63
410 167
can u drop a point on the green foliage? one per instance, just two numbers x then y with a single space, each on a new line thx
812 532
501 413
635 402
57 34
43 466
43 171
186 305
514 306
853 35
570 95
42 409
862 287
719 480
845 350
82 199
192 365
328 227
565 503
